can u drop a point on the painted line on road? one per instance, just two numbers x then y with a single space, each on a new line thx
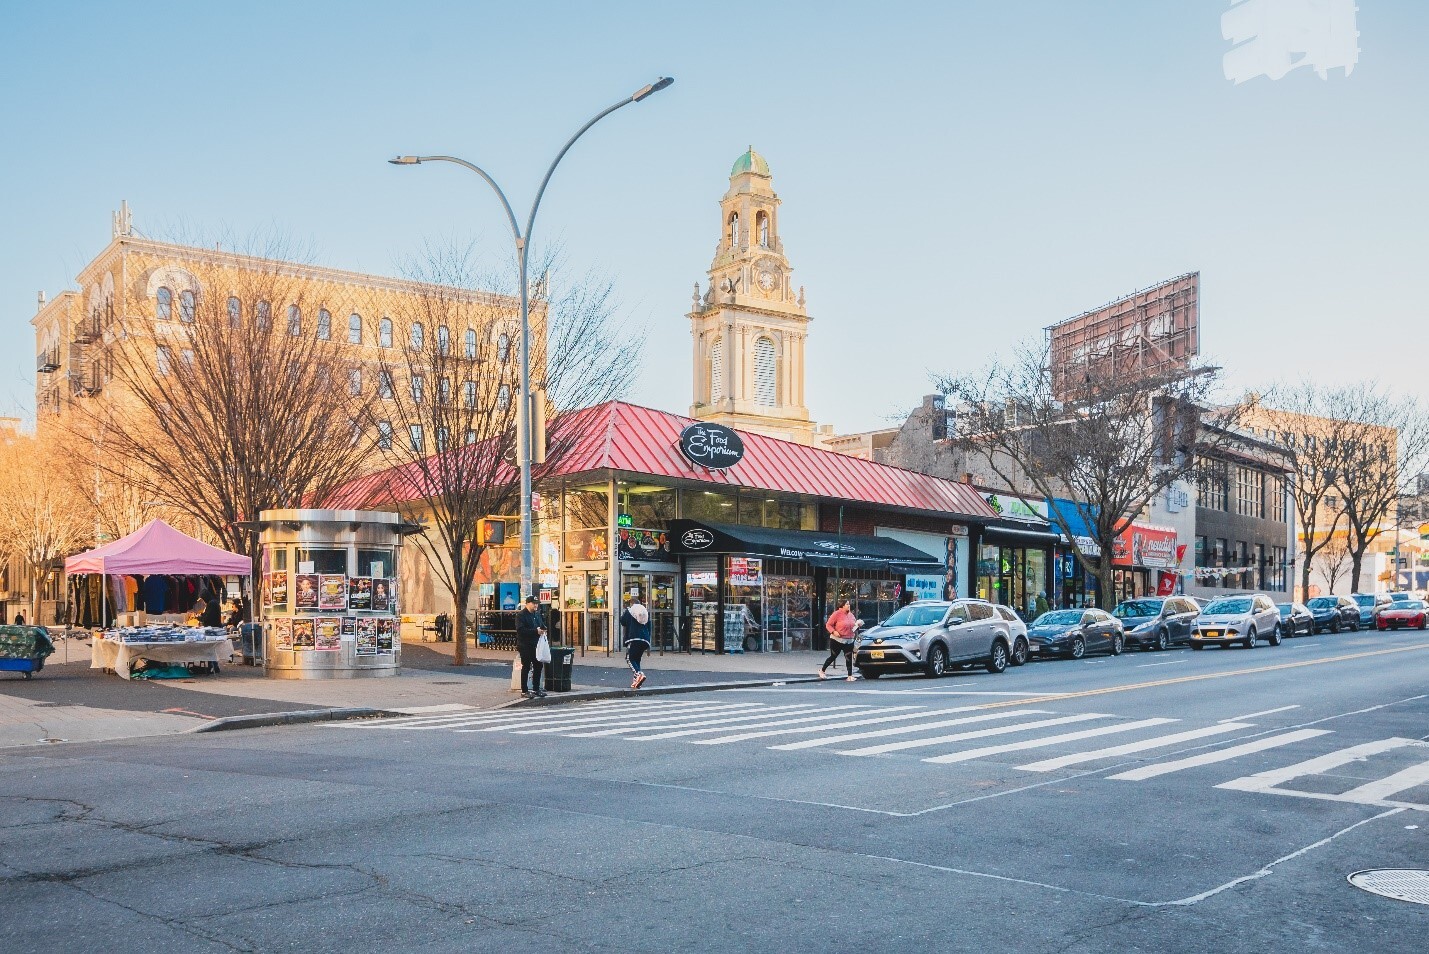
962 736
805 729
905 729
590 729
1262 712
970 754
1217 755
1077 758
1268 780
823 716
1174 662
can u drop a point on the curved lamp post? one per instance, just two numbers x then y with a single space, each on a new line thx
523 451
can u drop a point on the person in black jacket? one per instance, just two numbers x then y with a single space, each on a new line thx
212 614
529 630
635 622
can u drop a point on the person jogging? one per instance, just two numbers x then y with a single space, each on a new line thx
842 625
635 624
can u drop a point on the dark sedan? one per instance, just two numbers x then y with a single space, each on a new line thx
1334 613
1157 622
1073 633
1296 618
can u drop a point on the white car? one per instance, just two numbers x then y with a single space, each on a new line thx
1016 632
1238 621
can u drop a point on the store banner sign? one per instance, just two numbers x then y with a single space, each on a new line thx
635 544
1151 547
711 445
925 587
746 571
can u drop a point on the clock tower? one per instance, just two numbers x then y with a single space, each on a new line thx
750 324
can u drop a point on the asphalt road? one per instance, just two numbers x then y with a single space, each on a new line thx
1176 802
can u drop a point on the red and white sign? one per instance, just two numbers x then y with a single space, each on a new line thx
1166 583
1150 547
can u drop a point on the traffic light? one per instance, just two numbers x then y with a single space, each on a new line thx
491 532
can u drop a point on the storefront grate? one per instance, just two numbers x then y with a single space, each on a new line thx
1402 884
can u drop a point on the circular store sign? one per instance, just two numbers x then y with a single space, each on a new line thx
696 539
711 445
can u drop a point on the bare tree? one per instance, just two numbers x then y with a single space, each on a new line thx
232 402
41 518
1332 557
448 393
1110 445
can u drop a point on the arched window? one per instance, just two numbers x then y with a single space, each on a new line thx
384 333
414 435
384 435
471 344
468 390
295 320
164 304
717 370
324 324
419 336
444 390
354 382
761 226
235 312
186 305
444 340
733 229
503 397
443 438
263 314
764 379
354 328
419 388
503 348
163 359
384 384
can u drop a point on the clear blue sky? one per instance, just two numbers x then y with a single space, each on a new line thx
955 175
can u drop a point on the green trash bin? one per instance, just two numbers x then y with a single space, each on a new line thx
558 670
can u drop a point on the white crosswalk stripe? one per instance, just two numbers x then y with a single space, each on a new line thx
843 724
687 726
1130 748
820 715
580 719
1264 781
990 750
1383 789
559 726
962 736
907 729
1218 755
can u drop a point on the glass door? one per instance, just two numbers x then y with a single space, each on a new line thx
662 612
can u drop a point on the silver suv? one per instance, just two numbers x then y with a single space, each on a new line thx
932 635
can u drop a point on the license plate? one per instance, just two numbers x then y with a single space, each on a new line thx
1211 634
875 654
1034 649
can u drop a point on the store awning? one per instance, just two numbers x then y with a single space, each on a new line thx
1020 533
694 537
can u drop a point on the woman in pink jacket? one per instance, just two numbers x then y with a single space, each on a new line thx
842 625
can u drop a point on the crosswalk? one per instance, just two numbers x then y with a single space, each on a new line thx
1391 772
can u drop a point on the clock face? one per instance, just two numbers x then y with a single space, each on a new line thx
766 281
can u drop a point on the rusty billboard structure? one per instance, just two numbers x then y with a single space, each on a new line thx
1151 333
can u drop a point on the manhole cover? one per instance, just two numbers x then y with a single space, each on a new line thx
1402 884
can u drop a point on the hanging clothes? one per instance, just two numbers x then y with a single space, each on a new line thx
156 589
131 593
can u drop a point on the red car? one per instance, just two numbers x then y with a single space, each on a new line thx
1402 613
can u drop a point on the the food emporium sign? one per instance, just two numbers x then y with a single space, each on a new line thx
711 445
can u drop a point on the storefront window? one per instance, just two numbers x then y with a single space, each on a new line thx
587 514
649 507
709 506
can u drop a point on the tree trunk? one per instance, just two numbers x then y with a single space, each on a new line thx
1106 598
1305 580
463 596
34 618
1356 564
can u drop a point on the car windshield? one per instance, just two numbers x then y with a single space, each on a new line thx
1363 600
1285 608
1227 607
1059 618
1323 602
1131 608
916 616
1409 604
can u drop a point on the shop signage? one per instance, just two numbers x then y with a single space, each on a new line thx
625 520
1016 508
1151 547
696 539
834 545
633 544
711 445
1177 499
922 587
746 571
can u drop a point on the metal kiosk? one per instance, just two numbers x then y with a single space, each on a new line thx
329 600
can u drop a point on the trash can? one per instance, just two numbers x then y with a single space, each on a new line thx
250 643
558 671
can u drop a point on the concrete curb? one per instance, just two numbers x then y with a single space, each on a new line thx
588 695
263 719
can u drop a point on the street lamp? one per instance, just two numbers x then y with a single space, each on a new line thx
523 451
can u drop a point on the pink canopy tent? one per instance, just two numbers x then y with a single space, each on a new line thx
158 548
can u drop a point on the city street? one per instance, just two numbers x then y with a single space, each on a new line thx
1178 801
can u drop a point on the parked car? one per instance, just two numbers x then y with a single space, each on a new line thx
1238 620
1334 613
1369 604
1402 613
1074 633
1157 622
1017 632
1296 618
932 635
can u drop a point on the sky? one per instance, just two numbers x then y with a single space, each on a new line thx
955 175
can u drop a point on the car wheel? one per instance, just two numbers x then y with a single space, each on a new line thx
1163 641
1250 638
1276 636
937 660
1079 648
997 658
869 673
1335 626
1116 644
1354 625
1019 652
1422 622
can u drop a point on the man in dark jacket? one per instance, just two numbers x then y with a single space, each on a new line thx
529 630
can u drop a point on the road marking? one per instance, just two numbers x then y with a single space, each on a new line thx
970 754
640 722
962 736
1382 789
577 719
1219 755
822 716
1077 758
477 715
681 727
1174 662
905 729
1265 781
1058 697
922 691
1262 712
743 736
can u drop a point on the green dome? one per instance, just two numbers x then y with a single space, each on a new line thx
751 161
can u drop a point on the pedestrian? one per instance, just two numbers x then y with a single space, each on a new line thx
212 613
635 623
19 619
841 625
528 633
1042 604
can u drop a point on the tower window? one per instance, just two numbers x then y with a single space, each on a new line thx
354 328
235 312
503 348
717 370
384 333
165 304
761 226
733 229
764 379
186 305
471 344
295 321
324 324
